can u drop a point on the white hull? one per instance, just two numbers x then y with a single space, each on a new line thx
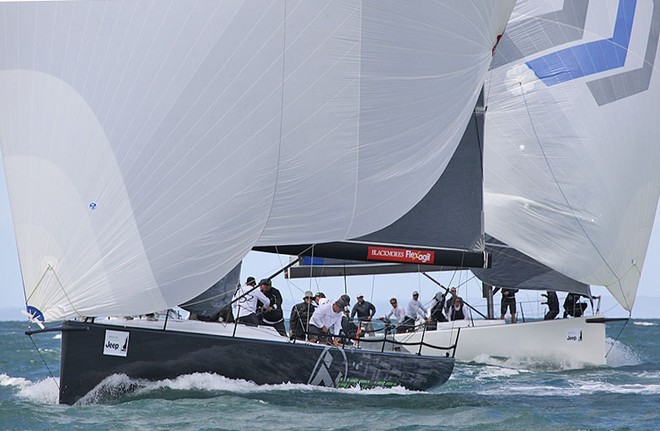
559 343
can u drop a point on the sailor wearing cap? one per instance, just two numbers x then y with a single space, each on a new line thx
245 302
300 315
435 312
413 311
415 308
272 314
319 298
326 318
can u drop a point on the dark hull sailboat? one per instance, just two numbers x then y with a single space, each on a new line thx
91 352
224 137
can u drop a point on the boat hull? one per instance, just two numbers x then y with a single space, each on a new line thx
92 352
560 343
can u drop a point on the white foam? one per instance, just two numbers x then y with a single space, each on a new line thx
214 382
576 388
6 380
43 392
116 385
527 363
591 387
644 323
496 372
530 390
620 355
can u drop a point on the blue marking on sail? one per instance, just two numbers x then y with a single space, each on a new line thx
589 58
35 313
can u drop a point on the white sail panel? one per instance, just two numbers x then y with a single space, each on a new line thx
149 145
571 174
407 80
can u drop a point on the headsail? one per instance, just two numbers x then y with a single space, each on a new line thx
148 145
571 175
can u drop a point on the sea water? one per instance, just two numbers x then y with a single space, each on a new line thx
494 396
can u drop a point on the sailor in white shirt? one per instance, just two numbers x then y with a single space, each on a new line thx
415 308
397 312
245 305
327 316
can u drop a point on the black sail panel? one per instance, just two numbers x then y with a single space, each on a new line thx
514 269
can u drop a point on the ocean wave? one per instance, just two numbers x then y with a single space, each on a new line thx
638 323
495 371
115 387
574 388
41 392
523 363
591 387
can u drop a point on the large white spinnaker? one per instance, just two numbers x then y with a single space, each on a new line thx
148 145
571 151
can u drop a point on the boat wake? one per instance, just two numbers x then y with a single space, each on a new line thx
41 392
530 363
121 388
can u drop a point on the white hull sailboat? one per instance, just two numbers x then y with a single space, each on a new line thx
570 177
556 344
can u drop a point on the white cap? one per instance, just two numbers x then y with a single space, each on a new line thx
360 295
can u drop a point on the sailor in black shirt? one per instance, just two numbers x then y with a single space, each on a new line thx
272 314
365 311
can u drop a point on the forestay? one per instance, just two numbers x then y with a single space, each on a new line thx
571 159
148 145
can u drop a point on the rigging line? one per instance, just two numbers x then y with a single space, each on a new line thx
359 122
64 291
187 304
13 229
561 191
44 361
50 268
345 280
481 115
617 336
311 269
281 131
373 282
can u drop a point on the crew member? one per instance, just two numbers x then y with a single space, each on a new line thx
272 314
508 302
435 312
399 313
245 302
325 319
553 305
365 311
413 311
300 315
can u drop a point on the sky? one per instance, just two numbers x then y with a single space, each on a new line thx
376 289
